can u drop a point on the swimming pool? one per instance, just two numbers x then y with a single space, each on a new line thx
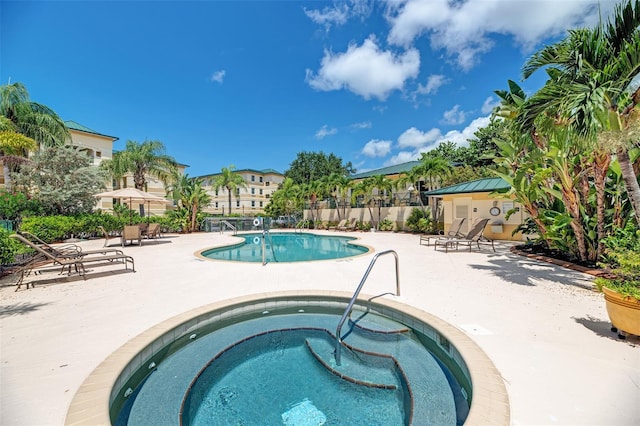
287 247
218 328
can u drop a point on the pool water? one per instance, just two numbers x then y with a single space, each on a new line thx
279 369
288 247
274 379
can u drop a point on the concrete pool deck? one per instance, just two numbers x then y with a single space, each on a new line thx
543 326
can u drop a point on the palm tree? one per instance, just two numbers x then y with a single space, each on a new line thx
591 71
287 199
144 159
411 181
382 185
433 170
31 119
36 123
229 180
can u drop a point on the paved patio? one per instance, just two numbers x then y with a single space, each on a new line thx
543 326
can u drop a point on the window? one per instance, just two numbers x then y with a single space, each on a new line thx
253 204
253 178
216 204
237 192
260 203
238 203
253 191
260 179
98 154
260 191
267 183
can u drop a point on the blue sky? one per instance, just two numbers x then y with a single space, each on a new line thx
252 83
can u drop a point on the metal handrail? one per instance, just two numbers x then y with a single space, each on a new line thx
300 225
225 223
355 296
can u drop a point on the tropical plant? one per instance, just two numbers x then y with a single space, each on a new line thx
591 73
143 160
15 205
31 119
191 195
286 201
310 166
229 180
61 179
622 256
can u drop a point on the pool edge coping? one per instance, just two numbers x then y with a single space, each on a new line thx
490 402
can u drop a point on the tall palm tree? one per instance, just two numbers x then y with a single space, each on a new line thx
230 181
32 119
146 159
433 170
591 71
382 185
38 125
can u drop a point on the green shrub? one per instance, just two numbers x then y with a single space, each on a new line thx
9 248
622 256
419 220
386 225
49 228
363 226
14 206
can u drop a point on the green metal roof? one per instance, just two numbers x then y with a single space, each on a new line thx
479 185
385 171
79 127
264 172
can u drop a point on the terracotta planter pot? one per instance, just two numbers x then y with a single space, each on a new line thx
624 312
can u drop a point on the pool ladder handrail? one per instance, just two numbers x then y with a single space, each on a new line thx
301 225
227 224
347 311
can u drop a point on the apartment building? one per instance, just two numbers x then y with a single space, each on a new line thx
250 200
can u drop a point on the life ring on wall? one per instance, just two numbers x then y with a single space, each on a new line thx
256 222
256 240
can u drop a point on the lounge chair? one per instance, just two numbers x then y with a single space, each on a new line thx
453 232
78 262
131 233
348 226
66 250
153 232
341 224
474 236
106 236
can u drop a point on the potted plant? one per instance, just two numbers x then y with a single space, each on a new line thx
621 287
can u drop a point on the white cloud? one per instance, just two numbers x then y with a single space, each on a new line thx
463 28
377 148
218 76
361 125
415 138
489 104
365 70
330 15
325 131
454 116
339 13
459 137
434 82
402 157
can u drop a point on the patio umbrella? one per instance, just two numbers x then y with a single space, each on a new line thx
132 194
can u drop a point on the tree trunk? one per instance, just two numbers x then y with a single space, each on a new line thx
228 189
630 181
602 160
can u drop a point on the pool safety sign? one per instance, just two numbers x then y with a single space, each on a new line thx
304 413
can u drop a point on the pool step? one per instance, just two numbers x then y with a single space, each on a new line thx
366 322
362 368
